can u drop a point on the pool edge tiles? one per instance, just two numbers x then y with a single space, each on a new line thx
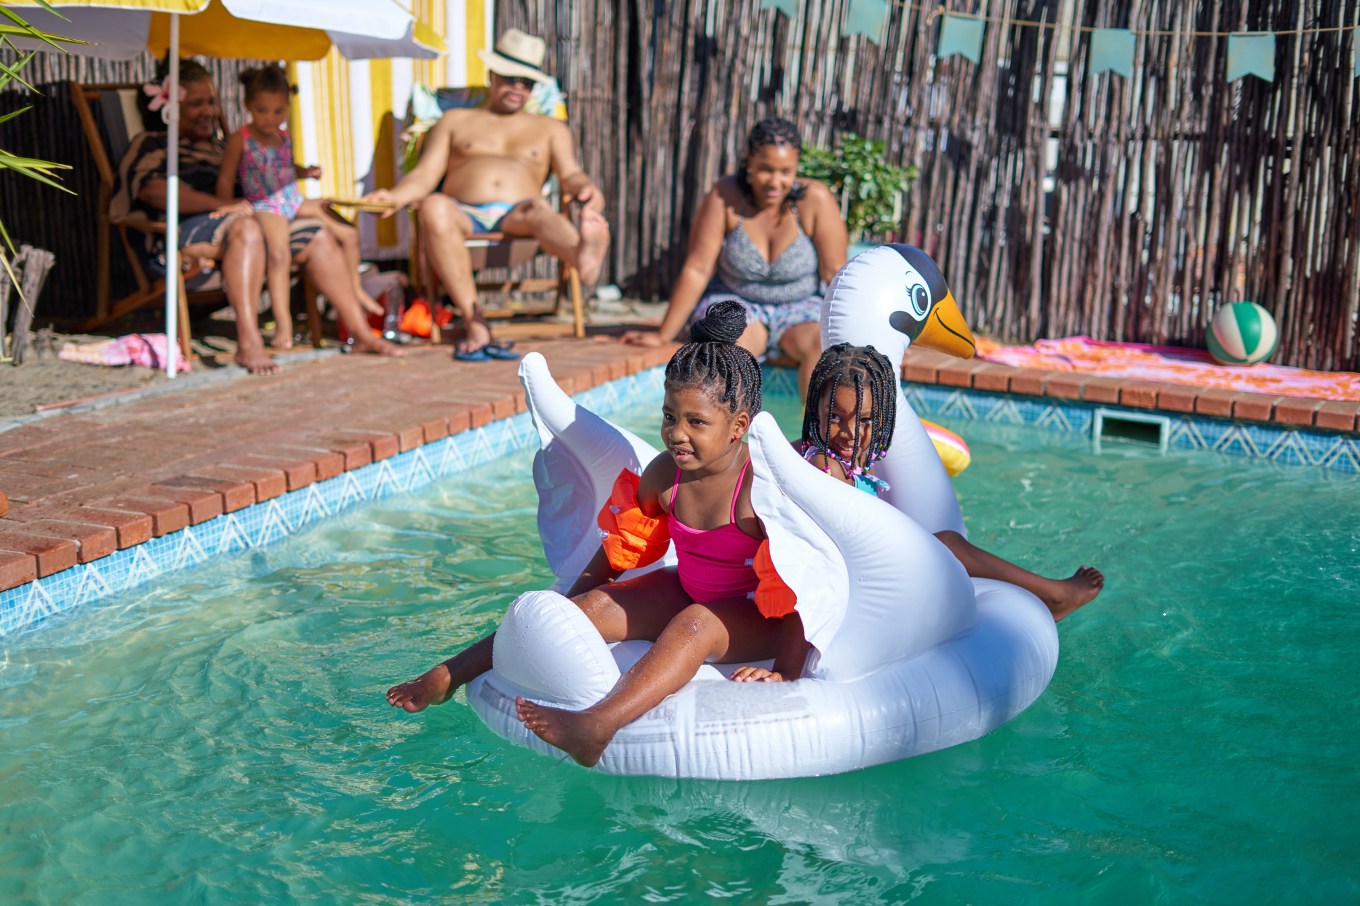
26 607
1285 445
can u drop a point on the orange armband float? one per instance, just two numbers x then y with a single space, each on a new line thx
630 538
773 598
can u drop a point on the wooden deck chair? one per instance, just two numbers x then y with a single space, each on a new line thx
496 250
109 119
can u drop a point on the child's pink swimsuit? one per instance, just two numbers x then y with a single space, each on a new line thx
714 564
268 179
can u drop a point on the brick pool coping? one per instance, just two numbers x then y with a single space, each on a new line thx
76 487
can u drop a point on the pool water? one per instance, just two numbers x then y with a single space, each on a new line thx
224 739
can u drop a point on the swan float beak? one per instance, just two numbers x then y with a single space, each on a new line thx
932 318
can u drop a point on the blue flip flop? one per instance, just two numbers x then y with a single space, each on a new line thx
486 353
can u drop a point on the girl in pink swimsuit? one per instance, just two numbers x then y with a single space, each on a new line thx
260 157
698 495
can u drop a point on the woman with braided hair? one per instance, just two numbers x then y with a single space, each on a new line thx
697 495
847 427
768 240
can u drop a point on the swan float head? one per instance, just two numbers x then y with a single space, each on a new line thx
893 297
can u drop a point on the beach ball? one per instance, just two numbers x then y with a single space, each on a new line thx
1242 333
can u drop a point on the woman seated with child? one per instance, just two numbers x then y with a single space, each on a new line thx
225 230
768 240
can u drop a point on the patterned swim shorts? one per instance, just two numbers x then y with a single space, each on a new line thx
777 317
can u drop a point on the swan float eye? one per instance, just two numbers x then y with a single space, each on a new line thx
917 290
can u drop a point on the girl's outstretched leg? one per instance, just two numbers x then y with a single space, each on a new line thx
278 276
700 632
1060 596
637 608
436 685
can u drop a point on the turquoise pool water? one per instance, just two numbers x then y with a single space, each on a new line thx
224 739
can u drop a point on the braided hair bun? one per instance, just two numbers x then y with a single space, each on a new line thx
711 360
724 322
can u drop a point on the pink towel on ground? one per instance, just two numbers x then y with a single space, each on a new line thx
145 349
1172 364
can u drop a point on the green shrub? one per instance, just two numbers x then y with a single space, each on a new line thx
869 186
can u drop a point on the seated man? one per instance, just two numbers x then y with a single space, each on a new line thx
489 164
226 231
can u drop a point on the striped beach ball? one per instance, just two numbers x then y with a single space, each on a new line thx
1242 333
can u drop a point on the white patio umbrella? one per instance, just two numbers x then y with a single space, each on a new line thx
258 29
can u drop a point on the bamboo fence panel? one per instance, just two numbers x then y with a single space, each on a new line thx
1057 200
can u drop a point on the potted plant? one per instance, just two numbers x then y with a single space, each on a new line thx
870 188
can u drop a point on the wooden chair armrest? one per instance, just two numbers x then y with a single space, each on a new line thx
141 224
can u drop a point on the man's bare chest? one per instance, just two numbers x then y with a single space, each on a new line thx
491 137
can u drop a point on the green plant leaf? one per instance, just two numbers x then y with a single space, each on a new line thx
39 170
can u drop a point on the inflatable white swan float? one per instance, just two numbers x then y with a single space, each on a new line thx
911 655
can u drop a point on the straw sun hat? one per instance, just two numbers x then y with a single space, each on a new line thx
517 55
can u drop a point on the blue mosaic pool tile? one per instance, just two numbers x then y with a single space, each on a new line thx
779 381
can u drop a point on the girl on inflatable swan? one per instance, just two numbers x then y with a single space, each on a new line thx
698 495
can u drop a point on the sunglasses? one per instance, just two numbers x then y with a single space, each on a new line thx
517 81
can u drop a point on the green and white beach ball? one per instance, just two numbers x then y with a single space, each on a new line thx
1242 333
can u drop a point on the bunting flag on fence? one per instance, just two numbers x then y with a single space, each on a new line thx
961 35
1111 49
866 17
1251 55
347 115
784 6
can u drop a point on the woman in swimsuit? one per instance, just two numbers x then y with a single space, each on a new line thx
696 495
768 240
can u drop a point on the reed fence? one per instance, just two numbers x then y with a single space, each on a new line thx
1056 200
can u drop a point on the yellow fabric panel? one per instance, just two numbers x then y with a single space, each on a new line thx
434 15
217 33
384 167
476 40
336 132
167 6
300 149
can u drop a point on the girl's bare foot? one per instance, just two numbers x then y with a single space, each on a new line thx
372 345
1066 595
577 733
433 687
283 336
594 243
256 361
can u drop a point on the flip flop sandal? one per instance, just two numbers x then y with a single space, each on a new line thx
485 353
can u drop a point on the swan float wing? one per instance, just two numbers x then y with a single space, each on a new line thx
579 456
873 586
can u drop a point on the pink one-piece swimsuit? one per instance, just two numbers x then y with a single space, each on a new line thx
714 564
